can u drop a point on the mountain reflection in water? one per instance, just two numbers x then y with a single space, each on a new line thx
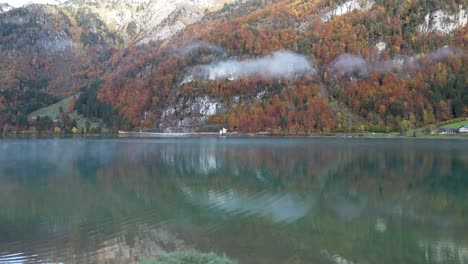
255 200
279 208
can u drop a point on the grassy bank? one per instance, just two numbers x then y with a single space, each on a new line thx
54 111
456 125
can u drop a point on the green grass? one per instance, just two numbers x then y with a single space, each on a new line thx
456 125
188 257
53 111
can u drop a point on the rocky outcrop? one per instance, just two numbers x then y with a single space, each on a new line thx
444 22
143 21
347 7
191 115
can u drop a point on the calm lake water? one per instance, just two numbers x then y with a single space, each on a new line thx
254 200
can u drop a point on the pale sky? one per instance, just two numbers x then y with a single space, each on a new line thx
18 3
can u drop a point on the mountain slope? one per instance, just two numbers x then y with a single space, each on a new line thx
143 21
375 68
263 65
44 55
52 51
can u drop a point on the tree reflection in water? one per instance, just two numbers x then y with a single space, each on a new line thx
257 200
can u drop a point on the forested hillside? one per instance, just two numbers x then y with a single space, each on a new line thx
374 68
44 56
281 66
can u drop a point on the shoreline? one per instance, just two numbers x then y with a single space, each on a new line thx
362 135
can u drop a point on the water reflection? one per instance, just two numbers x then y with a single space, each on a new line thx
278 207
257 200
444 251
127 246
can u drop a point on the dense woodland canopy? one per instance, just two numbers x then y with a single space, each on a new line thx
418 79
430 89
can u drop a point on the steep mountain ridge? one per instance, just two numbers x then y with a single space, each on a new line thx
44 56
366 65
51 51
374 69
5 7
36 27
143 21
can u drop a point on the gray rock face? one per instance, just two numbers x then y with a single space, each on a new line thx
444 22
143 21
191 115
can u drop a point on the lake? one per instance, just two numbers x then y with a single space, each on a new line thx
259 200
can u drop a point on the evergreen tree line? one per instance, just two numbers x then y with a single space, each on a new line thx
89 106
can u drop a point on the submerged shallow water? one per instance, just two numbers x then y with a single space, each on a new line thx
254 200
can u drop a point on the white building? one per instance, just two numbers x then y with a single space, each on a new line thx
223 131
463 129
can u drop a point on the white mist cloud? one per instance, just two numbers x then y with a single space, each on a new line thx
446 51
280 64
347 64
200 46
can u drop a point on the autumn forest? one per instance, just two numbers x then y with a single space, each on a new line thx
371 69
